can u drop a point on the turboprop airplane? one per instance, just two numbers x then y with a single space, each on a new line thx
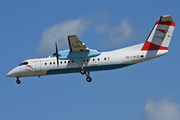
80 58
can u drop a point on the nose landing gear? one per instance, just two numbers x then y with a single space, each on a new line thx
18 81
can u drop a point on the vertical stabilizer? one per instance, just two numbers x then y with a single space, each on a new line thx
160 35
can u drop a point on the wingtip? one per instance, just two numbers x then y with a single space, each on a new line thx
71 35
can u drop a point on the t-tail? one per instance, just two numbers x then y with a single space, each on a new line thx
160 35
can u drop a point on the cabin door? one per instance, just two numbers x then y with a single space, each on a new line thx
38 66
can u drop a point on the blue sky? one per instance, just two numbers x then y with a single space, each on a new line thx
146 91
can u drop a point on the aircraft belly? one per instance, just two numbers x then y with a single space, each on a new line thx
87 68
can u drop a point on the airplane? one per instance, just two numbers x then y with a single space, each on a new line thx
80 58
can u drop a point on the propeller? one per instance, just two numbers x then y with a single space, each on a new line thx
56 54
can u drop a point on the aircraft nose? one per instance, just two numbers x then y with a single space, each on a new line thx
11 74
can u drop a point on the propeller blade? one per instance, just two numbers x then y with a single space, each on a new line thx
56 54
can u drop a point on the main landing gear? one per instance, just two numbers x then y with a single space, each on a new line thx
83 71
18 81
88 79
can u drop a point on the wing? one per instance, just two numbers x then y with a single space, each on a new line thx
76 45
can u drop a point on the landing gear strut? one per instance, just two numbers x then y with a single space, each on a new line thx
82 71
18 81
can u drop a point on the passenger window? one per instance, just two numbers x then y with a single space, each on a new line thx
45 63
98 59
87 60
83 60
50 63
72 61
54 63
93 59
61 62
69 61
104 58
64 61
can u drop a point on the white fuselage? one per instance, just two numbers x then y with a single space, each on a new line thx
79 58
106 61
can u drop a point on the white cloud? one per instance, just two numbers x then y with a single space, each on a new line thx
116 34
163 110
58 33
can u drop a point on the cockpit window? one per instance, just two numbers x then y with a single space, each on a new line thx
24 63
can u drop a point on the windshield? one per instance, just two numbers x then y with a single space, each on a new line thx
23 63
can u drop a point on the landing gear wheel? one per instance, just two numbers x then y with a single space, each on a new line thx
89 79
18 81
82 71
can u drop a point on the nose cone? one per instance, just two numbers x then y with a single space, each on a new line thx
12 73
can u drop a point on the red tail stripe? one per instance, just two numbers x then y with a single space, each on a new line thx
151 46
163 31
166 23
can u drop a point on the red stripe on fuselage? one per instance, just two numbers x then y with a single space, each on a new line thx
151 46
29 66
